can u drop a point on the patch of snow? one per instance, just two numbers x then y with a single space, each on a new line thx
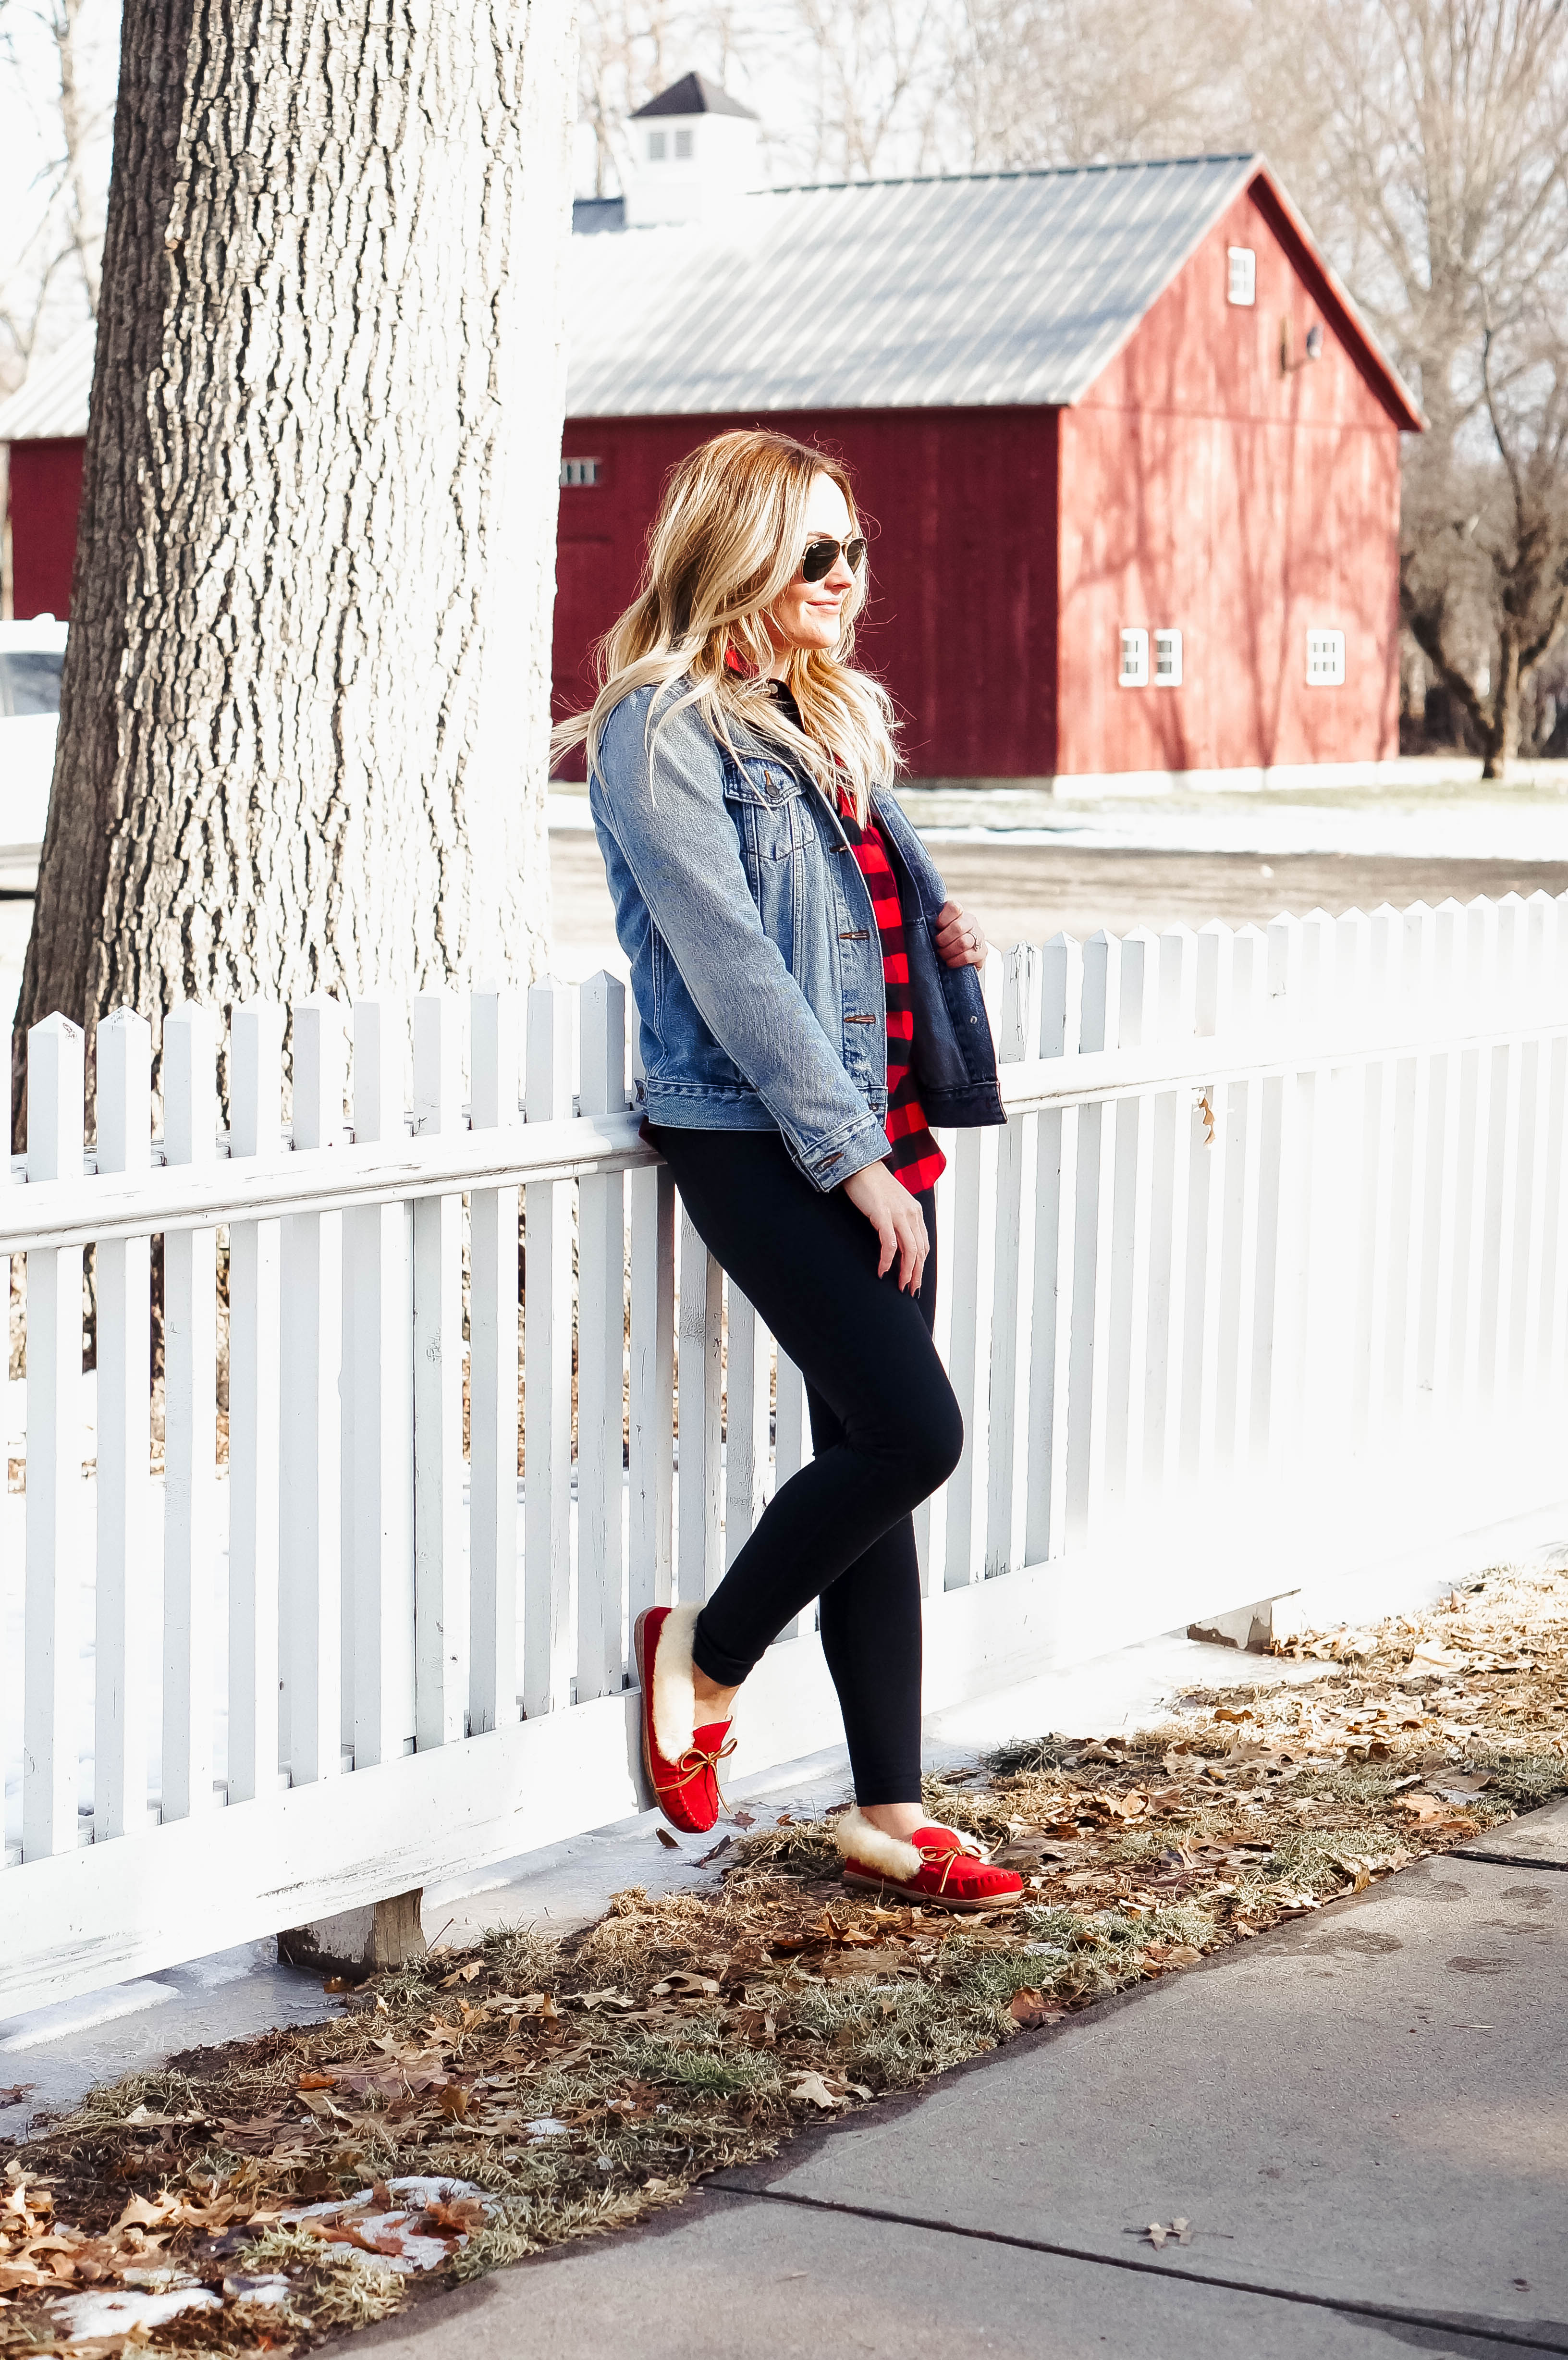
68 2015
240 2288
116 2311
416 2252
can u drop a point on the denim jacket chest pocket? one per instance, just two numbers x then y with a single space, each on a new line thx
768 807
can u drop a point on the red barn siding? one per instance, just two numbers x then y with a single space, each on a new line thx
1204 489
961 623
46 493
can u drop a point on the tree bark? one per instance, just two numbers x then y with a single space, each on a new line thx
304 714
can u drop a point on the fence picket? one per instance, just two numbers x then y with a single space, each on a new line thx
440 1600
310 1536
55 1513
747 1382
600 1359
124 1608
378 1416
495 1040
1050 1324
190 1425
700 1562
972 1165
1127 1374
547 1370
1173 1118
1012 1282
255 1093
650 1396
1092 1225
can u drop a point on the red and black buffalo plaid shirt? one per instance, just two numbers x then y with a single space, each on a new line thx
913 1154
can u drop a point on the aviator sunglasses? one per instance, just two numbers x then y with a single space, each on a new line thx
823 555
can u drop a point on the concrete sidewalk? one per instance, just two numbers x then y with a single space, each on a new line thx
1363 2117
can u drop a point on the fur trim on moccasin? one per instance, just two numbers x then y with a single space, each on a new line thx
674 1696
859 1841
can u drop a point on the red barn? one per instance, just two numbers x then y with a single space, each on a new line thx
1130 456
45 429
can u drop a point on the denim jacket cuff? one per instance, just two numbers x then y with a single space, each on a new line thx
842 1155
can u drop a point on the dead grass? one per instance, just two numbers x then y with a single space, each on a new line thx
583 2083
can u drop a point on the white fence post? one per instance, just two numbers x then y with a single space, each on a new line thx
378 1414
601 1358
495 1042
256 1094
547 1351
190 1425
310 1541
441 1633
123 1055
55 1512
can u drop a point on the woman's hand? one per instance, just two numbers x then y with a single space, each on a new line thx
897 1219
960 939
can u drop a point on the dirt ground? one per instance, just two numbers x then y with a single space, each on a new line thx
1027 894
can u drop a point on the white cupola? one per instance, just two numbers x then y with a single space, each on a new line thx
694 150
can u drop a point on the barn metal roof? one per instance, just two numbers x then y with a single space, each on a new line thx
991 290
53 401
1002 288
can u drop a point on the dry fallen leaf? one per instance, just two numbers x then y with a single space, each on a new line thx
809 2089
1029 2008
667 1840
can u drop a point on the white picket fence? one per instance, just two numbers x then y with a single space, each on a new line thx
1267 1273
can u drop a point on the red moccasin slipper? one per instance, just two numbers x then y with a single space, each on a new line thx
681 1761
937 1867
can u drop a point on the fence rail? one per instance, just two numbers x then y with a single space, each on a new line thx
1267 1272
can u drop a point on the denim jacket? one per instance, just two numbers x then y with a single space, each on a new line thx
755 963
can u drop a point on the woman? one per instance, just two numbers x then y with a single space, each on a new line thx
809 1003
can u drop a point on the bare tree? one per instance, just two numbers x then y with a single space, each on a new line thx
1486 593
1428 140
303 730
1070 82
58 59
876 81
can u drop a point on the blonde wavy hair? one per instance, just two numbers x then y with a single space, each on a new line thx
725 544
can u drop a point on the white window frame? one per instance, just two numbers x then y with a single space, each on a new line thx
1241 276
1167 671
1134 658
684 149
657 146
1325 657
579 475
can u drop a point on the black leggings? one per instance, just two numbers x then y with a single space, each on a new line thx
885 1427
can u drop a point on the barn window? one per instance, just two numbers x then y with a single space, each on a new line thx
577 472
1168 659
1242 286
683 147
1134 660
1325 659
656 145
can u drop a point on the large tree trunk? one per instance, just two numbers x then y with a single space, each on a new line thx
304 712
1502 745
